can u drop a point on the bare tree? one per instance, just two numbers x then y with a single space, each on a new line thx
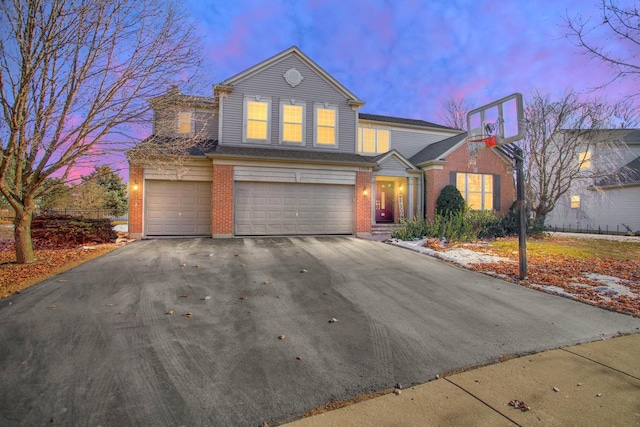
74 77
613 37
455 113
566 145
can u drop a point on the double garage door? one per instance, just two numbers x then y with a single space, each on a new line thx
177 208
270 208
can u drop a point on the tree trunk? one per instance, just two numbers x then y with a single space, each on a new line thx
22 235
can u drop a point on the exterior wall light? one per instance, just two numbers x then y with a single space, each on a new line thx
135 186
364 191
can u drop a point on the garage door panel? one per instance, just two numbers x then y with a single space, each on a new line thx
293 209
177 208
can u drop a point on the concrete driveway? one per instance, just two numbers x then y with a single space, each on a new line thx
94 346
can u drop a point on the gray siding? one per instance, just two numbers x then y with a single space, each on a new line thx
205 124
408 143
270 83
392 167
608 212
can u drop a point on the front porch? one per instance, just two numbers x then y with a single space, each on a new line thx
396 191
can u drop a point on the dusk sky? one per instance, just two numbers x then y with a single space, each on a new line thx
407 57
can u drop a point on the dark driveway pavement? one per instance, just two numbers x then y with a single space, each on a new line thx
108 354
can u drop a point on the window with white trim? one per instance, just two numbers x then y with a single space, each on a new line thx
373 141
476 189
292 123
326 125
257 120
184 122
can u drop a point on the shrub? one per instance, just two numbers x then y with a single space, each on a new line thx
486 224
63 230
450 202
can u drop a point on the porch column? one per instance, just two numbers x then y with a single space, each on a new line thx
373 200
411 203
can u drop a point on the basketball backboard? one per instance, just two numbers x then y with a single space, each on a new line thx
498 123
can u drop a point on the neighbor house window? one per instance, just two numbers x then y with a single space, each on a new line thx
326 125
575 202
292 122
477 190
257 124
374 141
184 122
584 159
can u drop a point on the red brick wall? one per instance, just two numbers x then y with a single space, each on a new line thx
222 201
135 200
488 162
363 202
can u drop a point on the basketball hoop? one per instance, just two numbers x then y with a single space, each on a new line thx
476 143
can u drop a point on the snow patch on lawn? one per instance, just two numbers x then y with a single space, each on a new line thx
460 256
612 286
121 228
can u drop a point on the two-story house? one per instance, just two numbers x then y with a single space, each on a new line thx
287 152
607 197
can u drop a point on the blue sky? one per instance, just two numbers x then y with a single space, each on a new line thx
405 58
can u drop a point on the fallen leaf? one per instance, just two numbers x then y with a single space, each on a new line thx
280 337
397 392
170 312
184 296
556 389
62 280
135 314
206 298
236 254
266 282
333 320
118 313
304 270
599 395
109 305
197 266
188 314
298 357
243 297
52 307
183 265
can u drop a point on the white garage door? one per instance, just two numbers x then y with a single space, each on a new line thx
177 208
266 208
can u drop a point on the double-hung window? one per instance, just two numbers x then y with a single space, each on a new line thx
184 122
326 125
584 160
476 189
257 119
373 141
292 123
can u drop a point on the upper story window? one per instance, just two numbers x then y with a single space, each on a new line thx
257 119
575 202
184 122
292 123
476 189
374 141
584 160
326 125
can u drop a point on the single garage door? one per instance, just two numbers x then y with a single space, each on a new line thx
178 208
267 208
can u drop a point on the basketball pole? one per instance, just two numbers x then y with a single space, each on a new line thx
516 153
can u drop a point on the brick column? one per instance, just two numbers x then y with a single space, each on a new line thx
363 202
222 201
136 187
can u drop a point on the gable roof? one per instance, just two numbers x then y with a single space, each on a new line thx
292 51
437 150
402 121
627 175
382 158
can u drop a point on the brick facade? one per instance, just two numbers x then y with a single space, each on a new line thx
222 201
363 202
488 162
135 200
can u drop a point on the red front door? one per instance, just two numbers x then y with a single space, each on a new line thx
384 201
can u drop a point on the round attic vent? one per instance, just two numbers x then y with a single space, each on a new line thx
293 77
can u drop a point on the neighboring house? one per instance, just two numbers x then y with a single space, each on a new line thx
286 151
609 199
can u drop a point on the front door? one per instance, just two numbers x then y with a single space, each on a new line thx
384 201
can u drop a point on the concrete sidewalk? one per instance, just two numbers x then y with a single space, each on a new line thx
590 384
